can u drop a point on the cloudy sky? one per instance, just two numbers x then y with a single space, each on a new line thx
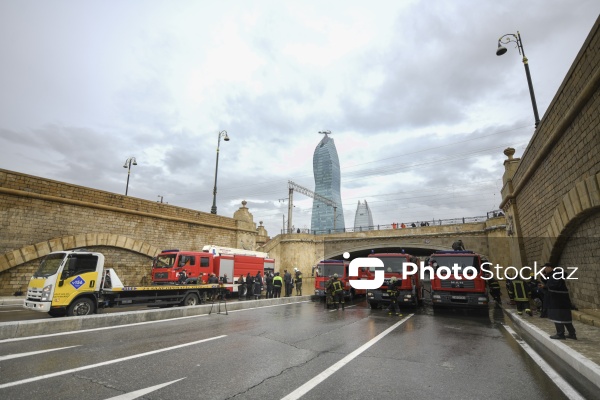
419 104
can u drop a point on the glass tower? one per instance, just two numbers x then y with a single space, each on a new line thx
326 169
363 219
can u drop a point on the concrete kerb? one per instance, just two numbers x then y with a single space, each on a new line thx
575 360
19 329
11 301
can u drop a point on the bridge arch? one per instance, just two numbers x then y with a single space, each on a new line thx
413 248
25 254
579 204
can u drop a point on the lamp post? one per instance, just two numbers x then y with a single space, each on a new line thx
130 161
222 134
510 37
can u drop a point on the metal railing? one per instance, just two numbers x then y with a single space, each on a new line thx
395 225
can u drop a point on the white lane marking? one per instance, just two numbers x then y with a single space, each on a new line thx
141 392
344 307
31 353
308 386
102 364
563 385
134 324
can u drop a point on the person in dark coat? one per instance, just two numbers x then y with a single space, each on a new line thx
269 281
250 285
214 291
258 282
287 280
559 303
458 245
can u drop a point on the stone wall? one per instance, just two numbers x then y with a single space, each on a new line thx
39 215
552 196
305 250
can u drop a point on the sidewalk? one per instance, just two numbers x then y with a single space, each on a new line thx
11 300
582 355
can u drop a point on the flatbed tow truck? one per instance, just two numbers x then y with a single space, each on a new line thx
75 282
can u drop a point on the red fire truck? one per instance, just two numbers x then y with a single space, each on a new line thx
466 288
175 266
410 290
325 269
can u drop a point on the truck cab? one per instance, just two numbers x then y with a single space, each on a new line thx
456 290
61 278
168 266
410 292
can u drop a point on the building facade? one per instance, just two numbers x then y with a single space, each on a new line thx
326 169
363 219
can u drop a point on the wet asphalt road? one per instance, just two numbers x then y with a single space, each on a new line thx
268 353
10 312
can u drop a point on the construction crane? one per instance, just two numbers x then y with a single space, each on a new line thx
307 192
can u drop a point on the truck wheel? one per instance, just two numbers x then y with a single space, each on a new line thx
374 305
82 306
60 312
191 299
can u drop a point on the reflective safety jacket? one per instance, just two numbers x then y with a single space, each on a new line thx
278 281
393 288
520 290
337 286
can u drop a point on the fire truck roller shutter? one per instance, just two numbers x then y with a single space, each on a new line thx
226 267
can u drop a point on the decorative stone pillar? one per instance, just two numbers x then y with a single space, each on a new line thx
246 233
509 206
263 236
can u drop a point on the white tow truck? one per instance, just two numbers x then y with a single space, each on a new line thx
75 282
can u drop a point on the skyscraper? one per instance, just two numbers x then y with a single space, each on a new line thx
326 169
363 220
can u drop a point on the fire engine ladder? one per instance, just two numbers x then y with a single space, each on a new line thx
307 192
220 298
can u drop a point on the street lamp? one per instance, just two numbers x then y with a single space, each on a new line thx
510 37
128 163
222 134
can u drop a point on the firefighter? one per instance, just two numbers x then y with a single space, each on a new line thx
521 295
277 284
494 287
510 291
329 292
458 245
298 282
393 291
338 292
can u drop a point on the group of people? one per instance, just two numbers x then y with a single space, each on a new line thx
402 225
252 286
550 296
